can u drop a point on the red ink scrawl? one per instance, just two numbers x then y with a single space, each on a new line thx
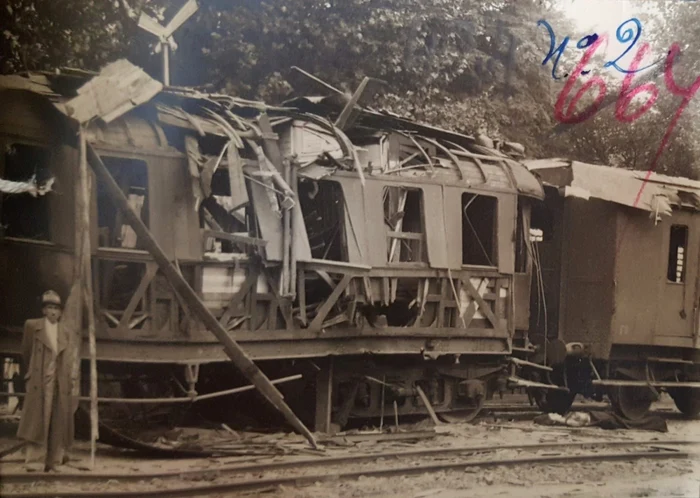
566 113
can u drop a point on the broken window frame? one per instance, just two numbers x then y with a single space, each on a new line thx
522 238
677 262
492 258
340 231
398 236
145 213
6 142
242 214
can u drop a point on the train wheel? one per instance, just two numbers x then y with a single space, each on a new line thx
687 400
633 403
552 400
464 414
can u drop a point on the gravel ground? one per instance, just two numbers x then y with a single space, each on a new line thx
643 478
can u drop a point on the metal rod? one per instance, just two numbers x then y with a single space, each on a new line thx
166 63
396 415
181 399
237 355
294 229
381 408
285 278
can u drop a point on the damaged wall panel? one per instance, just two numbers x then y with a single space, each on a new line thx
505 238
271 226
453 218
355 219
374 224
435 228
185 218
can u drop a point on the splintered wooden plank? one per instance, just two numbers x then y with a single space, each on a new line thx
151 270
329 303
118 88
239 296
348 114
239 193
234 237
428 406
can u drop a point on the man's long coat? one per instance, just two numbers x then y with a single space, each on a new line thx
36 357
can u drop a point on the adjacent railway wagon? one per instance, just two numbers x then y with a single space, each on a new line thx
620 286
387 261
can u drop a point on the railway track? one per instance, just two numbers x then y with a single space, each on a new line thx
238 478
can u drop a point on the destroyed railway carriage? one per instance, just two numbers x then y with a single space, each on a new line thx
393 255
621 286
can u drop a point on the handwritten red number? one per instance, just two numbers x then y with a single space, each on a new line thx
568 116
687 93
627 95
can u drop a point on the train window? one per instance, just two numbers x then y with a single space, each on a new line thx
22 215
323 207
132 176
403 216
219 211
677 252
479 215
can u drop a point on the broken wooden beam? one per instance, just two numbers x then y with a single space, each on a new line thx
234 237
239 358
428 406
346 118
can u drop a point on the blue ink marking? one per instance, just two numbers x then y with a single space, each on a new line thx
587 41
552 50
624 34
624 37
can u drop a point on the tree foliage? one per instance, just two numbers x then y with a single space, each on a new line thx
468 65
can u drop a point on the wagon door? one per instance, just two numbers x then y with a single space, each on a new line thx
678 293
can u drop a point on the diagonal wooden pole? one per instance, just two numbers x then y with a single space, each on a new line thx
239 358
86 291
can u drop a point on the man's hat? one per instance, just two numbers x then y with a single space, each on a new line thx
50 297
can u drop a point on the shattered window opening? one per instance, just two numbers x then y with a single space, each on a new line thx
22 215
678 248
403 216
132 177
479 215
219 212
323 208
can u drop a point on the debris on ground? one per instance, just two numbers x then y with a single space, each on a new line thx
604 420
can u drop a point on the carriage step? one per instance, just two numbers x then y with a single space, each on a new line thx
643 383
518 382
670 360
525 363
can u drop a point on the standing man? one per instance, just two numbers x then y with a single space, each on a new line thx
47 417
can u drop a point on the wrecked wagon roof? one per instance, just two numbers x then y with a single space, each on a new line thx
621 186
120 88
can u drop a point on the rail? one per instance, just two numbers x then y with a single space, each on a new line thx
462 458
